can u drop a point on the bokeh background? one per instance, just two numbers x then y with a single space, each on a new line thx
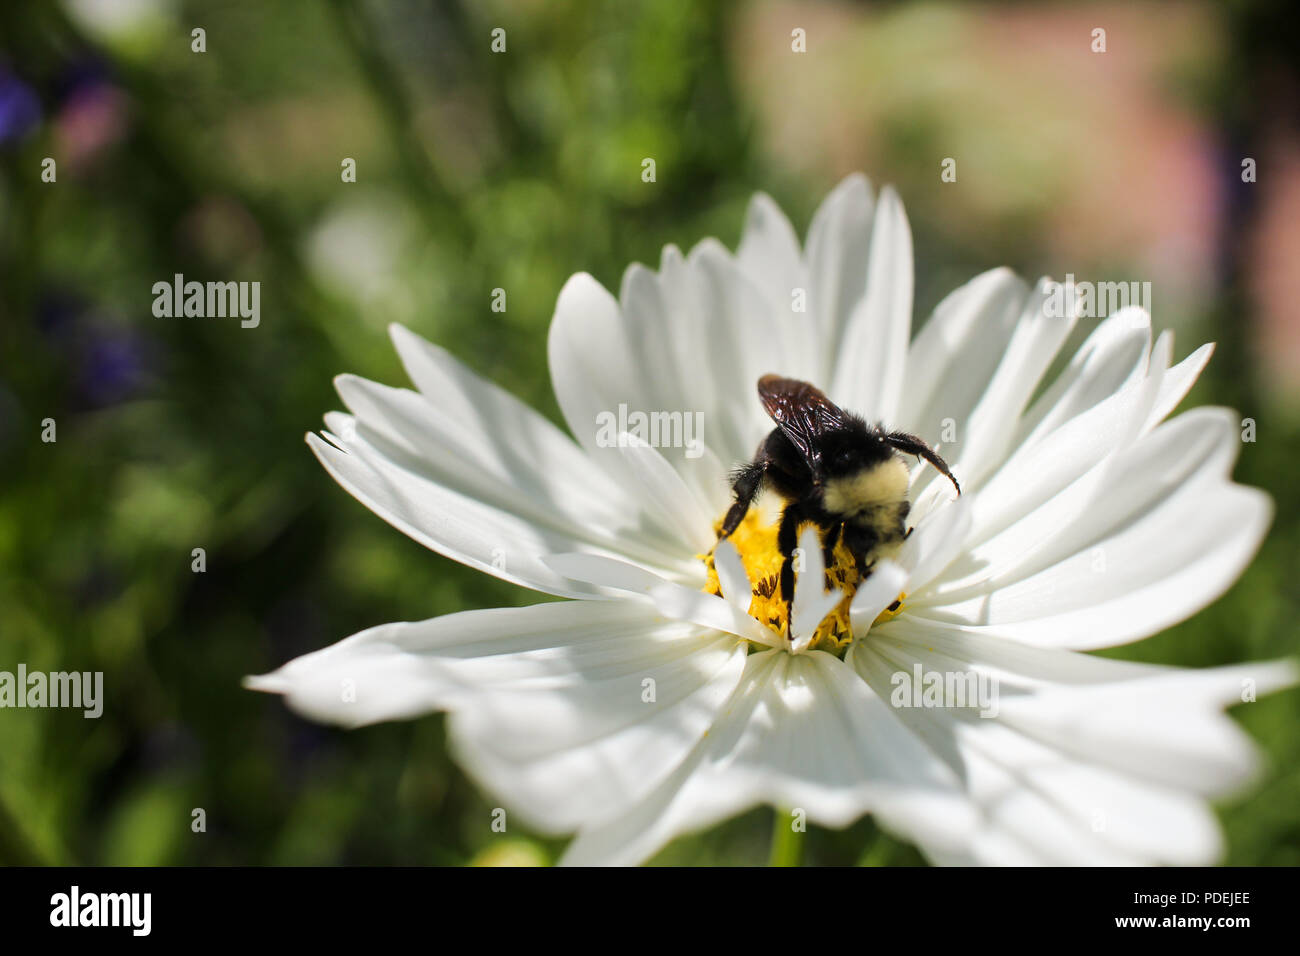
476 171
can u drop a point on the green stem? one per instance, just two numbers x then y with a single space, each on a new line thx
876 852
787 842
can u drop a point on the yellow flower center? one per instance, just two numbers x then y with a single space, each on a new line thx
755 540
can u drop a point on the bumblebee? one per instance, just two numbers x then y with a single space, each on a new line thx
833 469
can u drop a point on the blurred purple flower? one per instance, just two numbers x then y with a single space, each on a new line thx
20 110
114 365
108 362
92 113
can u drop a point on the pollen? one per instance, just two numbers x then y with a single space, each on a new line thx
755 540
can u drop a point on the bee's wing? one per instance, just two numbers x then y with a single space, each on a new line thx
802 411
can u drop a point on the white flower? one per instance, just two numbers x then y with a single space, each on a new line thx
644 706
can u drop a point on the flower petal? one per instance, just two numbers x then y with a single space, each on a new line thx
933 543
570 711
1167 728
956 354
447 521
769 249
536 479
733 580
769 255
1061 445
1160 534
671 502
594 367
471 418
839 243
811 602
872 353
1088 761
680 345
992 424
399 671
1178 382
879 591
733 336
1109 360
587 753
801 732
676 601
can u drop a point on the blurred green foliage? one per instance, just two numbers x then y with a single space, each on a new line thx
475 172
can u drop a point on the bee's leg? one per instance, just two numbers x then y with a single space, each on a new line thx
865 566
831 539
787 540
745 484
861 542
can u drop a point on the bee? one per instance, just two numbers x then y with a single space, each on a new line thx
834 469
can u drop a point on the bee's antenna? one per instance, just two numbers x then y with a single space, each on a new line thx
912 445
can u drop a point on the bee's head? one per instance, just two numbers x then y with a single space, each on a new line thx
849 450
